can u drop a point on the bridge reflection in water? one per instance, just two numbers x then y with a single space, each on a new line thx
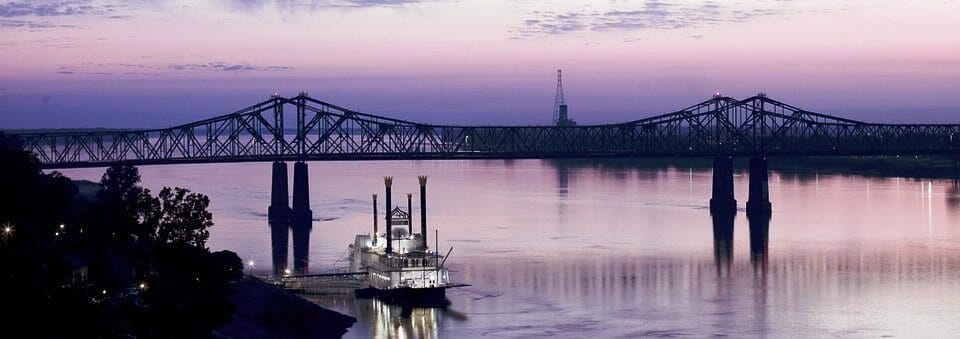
723 224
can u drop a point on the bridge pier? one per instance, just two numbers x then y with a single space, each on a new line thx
278 215
279 198
759 199
722 200
301 220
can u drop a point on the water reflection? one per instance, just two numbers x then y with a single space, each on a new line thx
280 230
723 241
759 241
953 196
376 319
723 225
563 178
602 296
301 245
279 244
606 249
391 321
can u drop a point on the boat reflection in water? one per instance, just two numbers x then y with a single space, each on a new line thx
379 319
393 321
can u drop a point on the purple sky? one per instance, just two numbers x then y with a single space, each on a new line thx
154 63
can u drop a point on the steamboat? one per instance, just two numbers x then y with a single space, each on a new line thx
400 266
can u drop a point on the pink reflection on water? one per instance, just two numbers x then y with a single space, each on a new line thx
617 248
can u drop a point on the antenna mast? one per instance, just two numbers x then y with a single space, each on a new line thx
558 99
560 117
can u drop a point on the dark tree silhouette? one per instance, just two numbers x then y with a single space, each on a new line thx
33 263
135 212
228 263
188 295
150 273
184 217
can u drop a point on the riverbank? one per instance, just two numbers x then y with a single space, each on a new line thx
939 167
266 311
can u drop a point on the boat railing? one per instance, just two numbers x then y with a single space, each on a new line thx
407 262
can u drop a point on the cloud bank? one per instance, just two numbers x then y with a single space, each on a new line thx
42 8
648 15
92 68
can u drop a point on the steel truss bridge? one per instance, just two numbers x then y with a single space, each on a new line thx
323 131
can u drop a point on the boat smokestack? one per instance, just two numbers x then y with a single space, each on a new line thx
423 209
410 213
388 181
375 219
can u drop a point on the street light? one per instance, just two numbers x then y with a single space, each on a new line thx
250 264
7 231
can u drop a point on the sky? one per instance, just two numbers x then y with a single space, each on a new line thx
157 63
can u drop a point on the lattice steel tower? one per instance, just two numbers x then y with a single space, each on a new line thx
560 117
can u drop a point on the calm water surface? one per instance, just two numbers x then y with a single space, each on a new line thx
595 248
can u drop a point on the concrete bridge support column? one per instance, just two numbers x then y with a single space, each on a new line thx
279 217
759 200
301 220
722 200
279 197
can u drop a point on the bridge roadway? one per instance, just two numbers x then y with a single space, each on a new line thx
323 131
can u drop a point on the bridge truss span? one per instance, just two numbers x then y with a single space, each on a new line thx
323 131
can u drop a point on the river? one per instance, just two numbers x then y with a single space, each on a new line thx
605 249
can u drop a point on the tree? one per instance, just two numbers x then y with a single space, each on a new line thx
184 217
134 210
127 236
188 296
228 263
122 224
121 180
33 267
